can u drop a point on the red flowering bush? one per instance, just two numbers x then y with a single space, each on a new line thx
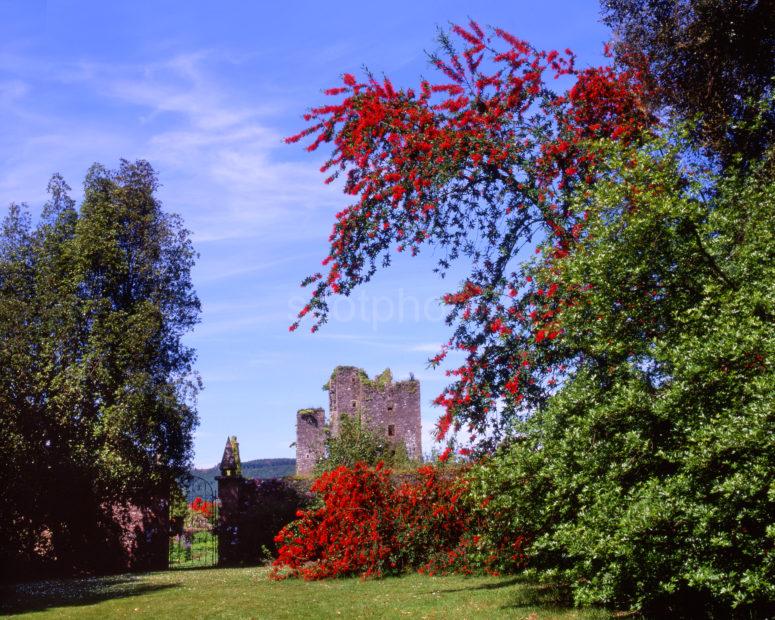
351 533
203 507
368 525
429 515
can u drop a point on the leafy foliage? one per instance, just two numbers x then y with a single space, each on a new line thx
479 166
647 479
626 371
96 385
708 57
357 443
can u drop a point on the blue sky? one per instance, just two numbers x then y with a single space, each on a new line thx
206 91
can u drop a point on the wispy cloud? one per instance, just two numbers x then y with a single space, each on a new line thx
244 180
223 269
428 347
220 158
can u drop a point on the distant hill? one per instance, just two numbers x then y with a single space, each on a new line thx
257 468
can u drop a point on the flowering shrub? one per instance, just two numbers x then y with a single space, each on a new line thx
368 525
351 533
203 507
430 519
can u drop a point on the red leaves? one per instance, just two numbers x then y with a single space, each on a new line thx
335 91
517 44
451 89
475 40
445 421
498 327
512 385
347 535
430 165
469 291
605 102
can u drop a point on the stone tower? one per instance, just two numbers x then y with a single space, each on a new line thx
310 439
388 408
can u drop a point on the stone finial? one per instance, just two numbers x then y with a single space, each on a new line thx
229 466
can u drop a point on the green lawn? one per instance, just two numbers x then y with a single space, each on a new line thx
248 593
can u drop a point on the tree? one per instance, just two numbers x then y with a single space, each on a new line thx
356 443
479 166
17 425
646 481
629 364
97 387
712 58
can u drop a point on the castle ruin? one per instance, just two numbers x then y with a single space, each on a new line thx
386 407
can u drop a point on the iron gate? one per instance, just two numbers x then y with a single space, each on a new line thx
193 521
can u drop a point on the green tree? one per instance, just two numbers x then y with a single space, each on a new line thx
714 58
356 443
96 388
646 481
19 428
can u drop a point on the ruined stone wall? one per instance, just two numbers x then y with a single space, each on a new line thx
310 439
114 537
345 394
252 513
388 408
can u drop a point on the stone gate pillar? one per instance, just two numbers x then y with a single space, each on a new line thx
230 484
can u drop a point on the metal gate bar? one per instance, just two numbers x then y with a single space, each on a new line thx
193 520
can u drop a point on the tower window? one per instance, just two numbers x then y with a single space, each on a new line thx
391 430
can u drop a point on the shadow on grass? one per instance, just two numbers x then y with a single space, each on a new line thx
528 595
485 586
545 596
40 595
549 598
182 568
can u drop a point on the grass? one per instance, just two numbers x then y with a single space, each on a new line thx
248 593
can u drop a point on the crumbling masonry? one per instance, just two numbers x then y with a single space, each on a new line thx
388 408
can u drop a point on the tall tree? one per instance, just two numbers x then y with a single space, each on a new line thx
133 265
20 529
646 481
97 393
479 165
638 342
715 58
